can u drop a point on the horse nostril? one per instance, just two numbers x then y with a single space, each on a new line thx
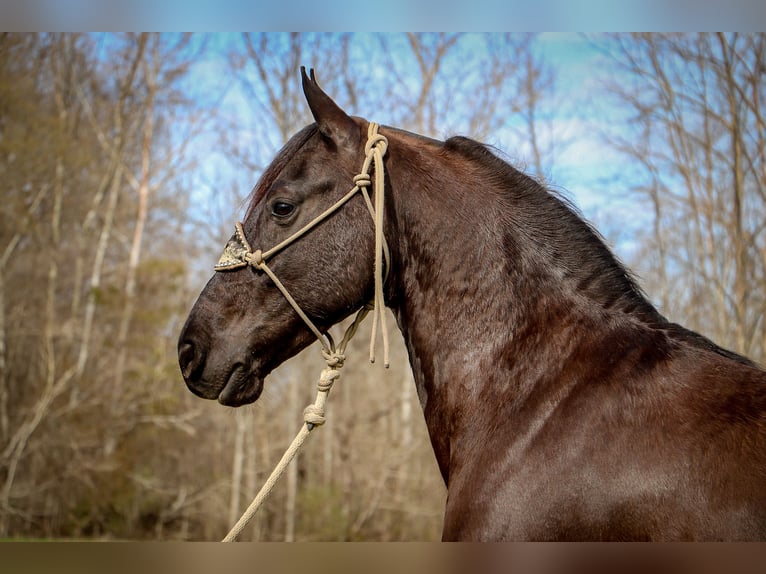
188 359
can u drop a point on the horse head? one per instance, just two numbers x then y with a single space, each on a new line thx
243 324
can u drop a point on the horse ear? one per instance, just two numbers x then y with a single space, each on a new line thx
333 122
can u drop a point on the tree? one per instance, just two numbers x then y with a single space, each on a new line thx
76 294
698 138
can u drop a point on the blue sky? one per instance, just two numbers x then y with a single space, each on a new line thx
392 15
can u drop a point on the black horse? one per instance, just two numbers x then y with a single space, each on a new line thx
561 405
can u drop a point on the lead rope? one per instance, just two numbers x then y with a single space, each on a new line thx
313 414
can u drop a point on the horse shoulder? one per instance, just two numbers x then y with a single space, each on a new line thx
664 442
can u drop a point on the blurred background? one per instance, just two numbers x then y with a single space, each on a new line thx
125 160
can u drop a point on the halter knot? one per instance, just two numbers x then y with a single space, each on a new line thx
376 141
362 180
334 359
314 415
327 378
255 258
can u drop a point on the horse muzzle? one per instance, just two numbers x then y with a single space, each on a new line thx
230 380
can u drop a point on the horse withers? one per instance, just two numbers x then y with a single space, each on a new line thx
561 405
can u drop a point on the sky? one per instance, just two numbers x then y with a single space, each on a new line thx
586 169
392 15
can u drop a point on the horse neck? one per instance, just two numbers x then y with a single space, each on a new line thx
475 293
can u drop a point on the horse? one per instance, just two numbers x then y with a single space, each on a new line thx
560 403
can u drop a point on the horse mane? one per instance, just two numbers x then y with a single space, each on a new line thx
558 228
277 165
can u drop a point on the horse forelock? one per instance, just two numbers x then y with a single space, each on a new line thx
283 157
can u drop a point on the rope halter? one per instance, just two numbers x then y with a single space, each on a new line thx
239 254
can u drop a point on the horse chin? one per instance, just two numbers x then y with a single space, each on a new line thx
242 388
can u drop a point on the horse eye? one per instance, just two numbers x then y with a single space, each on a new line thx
282 208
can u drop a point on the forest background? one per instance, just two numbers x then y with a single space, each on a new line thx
126 158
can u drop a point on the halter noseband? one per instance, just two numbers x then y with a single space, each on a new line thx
239 254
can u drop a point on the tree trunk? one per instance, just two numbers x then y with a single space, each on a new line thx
241 425
292 470
150 78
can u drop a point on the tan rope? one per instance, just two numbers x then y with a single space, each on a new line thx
256 259
314 414
378 145
375 149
